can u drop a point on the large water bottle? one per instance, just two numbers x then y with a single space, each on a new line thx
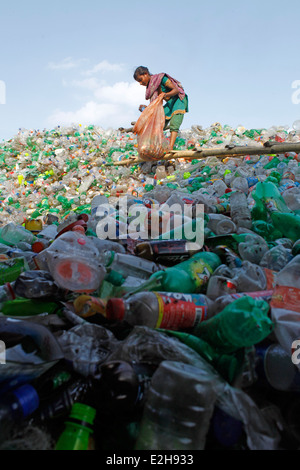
291 197
73 262
240 213
178 409
240 184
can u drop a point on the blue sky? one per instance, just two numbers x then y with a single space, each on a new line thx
66 62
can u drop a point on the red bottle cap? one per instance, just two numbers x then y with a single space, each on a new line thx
115 309
37 247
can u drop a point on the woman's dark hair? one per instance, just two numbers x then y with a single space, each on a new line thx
140 71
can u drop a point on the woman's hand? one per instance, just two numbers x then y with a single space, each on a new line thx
142 107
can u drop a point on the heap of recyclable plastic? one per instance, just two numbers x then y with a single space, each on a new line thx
152 306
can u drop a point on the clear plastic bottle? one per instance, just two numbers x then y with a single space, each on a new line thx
86 183
173 311
107 245
180 198
178 409
73 261
253 249
128 265
249 277
220 285
160 172
239 211
37 284
291 197
49 232
240 184
276 258
221 224
219 187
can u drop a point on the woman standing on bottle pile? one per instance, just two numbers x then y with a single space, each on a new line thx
176 98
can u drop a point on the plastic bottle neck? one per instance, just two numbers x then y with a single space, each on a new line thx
108 257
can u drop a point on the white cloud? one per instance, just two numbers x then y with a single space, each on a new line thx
112 106
121 92
90 84
102 114
104 66
106 105
66 64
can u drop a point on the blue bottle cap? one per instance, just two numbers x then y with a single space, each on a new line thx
28 398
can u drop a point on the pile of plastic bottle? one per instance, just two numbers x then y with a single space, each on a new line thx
150 306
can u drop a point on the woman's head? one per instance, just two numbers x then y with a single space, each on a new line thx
142 75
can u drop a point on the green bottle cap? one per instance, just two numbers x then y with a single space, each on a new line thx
82 413
115 278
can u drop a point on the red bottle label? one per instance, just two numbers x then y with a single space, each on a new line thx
179 311
286 297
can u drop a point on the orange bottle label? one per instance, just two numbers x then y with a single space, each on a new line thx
180 311
285 297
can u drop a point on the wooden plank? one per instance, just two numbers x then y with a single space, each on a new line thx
236 151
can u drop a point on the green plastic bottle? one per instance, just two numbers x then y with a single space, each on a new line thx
190 276
259 211
266 230
242 323
228 365
268 193
231 240
288 224
272 163
4 242
79 428
66 204
28 307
